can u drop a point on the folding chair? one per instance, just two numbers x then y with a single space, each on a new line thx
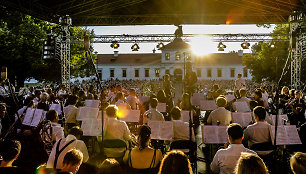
114 148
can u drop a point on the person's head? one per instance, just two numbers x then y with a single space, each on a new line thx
132 92
251 164
62 87
216 87
243 92
111 111
9 150
285 90
52 116
119 96
259 113
153 102
175 113
44 97
298 94
221 101
292 92
76 131
37 93
257 94
175 162
72 161
253 104
263 88
161 94
298 163
72 99
28 101
110 166
2 110
235 133
239 75
144 136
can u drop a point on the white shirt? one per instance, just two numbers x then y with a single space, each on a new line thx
71 113
181 130
153 115
132 101
225 160
77 144
116 129
57 132
61 92
239 84
258 132
220 114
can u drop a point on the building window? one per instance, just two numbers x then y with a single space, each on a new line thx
209 72
136 72
100 73
199 72
245 72
156 72
167 71
111 73
177 56
124 73
219 72
147 73
167 56
232 72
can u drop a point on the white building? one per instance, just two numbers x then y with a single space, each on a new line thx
217 66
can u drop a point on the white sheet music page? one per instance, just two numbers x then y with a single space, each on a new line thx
92 103
132 116
37 117
230 97
185 116
214 134
155 129
28 116
281 119
196 99
87 126
241 106
208 105
161 107
166 130
56 107
293 134
286 135
87 112
242 118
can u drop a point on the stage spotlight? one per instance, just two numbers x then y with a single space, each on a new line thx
135 47
221 46
160 46
115 45
272 45
245 45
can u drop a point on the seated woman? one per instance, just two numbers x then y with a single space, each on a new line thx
142 158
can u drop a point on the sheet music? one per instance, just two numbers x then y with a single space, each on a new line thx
92 127
132 116
185 116
38 114
196 99
214 134
280 120
241 106
92 103
242 118
161 130
208 105
87 112
286 135
28 116
161 107
230 97
144 99
56 107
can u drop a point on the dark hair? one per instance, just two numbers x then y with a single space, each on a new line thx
28 101
258 93
111 110
176 113
76 131
221 102
260 112
175 162
72 99
235 131
9 149
110 166
51 115
153 102
242 92
251 164
73 157
144 135
253 104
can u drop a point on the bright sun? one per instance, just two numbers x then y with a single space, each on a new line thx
202 45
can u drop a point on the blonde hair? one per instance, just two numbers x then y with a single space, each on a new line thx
298 163
283 90
251 164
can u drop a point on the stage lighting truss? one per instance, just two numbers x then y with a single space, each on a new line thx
221 46
160 46
115 45
135 47
245 45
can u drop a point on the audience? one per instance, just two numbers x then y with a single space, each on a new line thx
175 162
249 163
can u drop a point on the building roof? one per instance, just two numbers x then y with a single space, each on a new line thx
130 59
177 44
155 59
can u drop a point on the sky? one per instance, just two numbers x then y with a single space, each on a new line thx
210 47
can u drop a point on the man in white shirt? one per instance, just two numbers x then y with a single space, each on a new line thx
153 114
225 160
259 132
57 130
220 116
132 99
181 130
62 91
62 146
71 111
239 84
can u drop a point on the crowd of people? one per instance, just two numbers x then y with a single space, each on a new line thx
57 144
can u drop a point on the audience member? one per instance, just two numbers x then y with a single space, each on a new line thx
110 166
249 163
72 161
175 162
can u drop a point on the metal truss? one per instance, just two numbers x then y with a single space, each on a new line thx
146 38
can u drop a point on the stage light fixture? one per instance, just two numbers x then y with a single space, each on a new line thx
245 45
221 46
160 46
135 47
115 45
